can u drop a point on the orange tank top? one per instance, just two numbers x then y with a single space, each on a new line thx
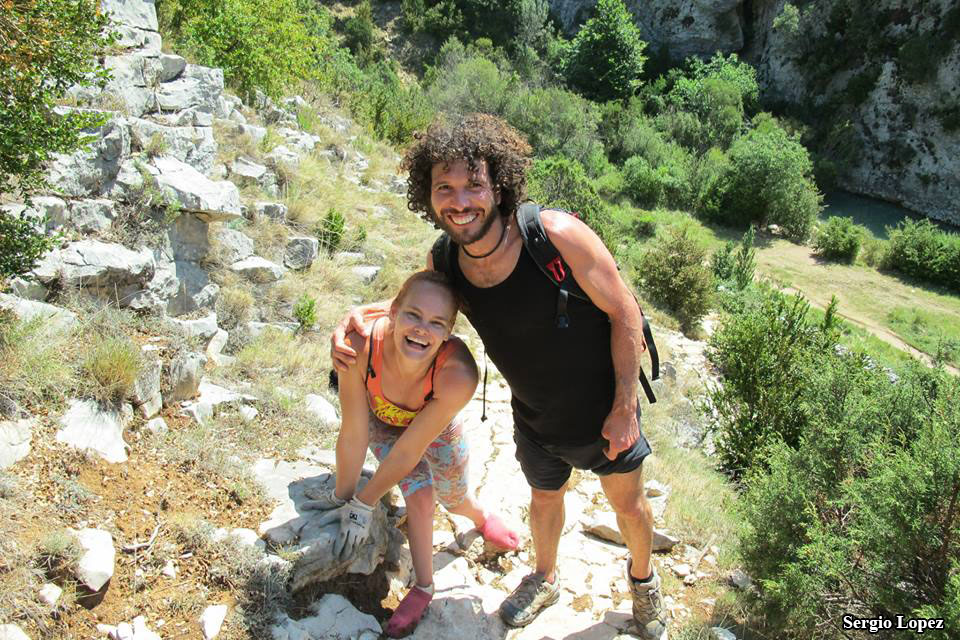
385 410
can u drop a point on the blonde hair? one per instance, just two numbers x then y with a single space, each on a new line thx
437 278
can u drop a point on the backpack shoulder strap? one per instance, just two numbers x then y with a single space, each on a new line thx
543 252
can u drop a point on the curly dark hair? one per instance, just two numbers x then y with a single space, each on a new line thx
476 136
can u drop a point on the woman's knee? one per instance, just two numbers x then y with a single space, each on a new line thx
421 500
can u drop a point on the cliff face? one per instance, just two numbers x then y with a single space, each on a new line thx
887 74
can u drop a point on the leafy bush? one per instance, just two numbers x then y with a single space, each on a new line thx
672 273
839 239
766 352
305 311
271 45
744 262
606 56
562 183
330 231
22 243
556 121
113 364
513 23
472 84
859 516
919 249
390 108
359 34
768 181
665 184
722 261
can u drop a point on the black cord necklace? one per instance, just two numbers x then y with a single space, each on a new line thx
503 234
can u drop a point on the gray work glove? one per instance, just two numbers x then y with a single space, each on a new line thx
354 518
322 498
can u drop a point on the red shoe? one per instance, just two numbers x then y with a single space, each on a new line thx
404 620
497 534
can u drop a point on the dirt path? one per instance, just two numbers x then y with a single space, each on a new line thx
858 289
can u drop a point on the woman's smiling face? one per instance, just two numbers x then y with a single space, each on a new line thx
423 320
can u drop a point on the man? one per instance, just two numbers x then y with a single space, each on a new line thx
574 389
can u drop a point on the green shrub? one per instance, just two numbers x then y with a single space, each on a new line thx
768 181
113 364
839 239
766 351
643 226
672 273
472 85
562 183
919 249
859 517
722 261
744 262
664 184
359 34
874 251
606 56
556 121
390 108
22 243
330 231
305 311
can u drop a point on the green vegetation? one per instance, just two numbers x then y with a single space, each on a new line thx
113 365
606 56
935 333
305 311
46 47
839 239
330 231
672 274
919 249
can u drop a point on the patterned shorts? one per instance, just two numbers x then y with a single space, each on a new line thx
443 465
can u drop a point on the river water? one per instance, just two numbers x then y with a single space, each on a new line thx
874 214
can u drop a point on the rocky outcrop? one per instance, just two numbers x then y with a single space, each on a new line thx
90 427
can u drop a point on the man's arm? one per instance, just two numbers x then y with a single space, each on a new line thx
596 272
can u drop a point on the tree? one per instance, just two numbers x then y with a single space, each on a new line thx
606 56
46 47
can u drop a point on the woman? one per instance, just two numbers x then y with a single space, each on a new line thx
401 398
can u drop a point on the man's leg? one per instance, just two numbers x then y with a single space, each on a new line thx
546 524
634 517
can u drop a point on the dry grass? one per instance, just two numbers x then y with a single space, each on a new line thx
112 365
235 306
35 362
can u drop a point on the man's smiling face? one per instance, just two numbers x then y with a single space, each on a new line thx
464 202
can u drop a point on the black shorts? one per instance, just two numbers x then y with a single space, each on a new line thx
547 466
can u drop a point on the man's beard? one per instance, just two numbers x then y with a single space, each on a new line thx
462 237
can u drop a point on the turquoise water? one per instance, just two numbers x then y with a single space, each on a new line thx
874 214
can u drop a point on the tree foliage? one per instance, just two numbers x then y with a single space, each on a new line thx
46 47
606 56
672 273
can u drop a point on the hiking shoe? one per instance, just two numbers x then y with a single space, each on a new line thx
527 601
648 610
404 620
321 498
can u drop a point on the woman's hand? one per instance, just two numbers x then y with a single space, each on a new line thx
357 319
354 518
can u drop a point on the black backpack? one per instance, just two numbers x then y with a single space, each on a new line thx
551 263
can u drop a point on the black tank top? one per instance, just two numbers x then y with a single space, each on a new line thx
562 380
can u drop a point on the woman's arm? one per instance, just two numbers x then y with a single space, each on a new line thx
453 386
342 352
353 438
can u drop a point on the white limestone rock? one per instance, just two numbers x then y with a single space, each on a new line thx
211 620
193 145
146 394
91 216
53 316
282 156
91 264
196 193
50 594
334 618
14 441
184 376
141 14
719 633
157 426
300 252
273 210
87 426
171 66
28 289
90 172
246 169
366 272
203 328
321 408
12 632
96 564
258 269
254 329
233 246
197 86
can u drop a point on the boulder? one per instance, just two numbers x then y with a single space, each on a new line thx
92 170
254 329
300 252
141 14
14 441
28 289
146 389
96 564
211 400
157 426
193 145
257 134
88 426
334 618
91 216
105 269
55 317
195 192
50 594
12 632
320 407
189 238
366 272
719 633
259 270
203 328
194 289
191 117
133 38
233 246
171 66
184 375
282 156
197 86
211 620
273 210
246 170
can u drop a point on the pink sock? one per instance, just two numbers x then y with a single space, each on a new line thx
497 534
408 613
